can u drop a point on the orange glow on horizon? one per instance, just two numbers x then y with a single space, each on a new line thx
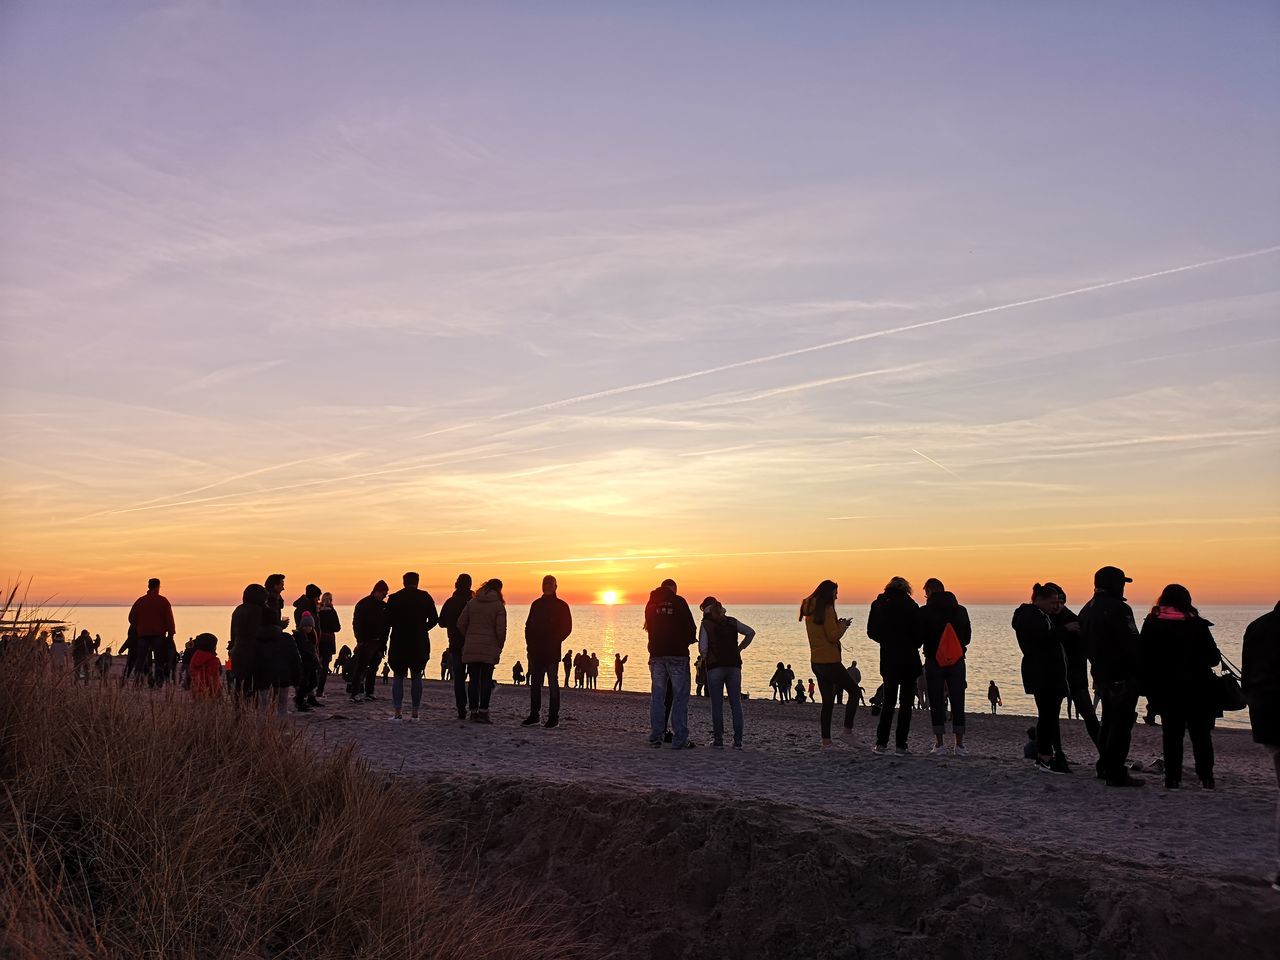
611 598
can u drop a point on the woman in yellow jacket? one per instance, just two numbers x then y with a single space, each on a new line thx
825 629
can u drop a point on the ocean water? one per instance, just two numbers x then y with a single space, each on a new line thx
605 630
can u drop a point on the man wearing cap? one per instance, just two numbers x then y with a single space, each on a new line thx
367 622
1110 636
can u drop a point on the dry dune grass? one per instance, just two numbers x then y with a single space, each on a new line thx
137 825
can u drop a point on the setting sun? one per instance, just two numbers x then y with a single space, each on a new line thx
610 597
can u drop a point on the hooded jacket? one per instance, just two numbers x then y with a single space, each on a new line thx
1110 637
940 609
548 625
1178 653
891 622
669 623
1044 662
449 614
824 638
484 627
369 621
1260 668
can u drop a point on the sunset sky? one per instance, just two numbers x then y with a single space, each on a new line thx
744 294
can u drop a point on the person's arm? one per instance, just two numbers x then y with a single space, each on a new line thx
464 620
501 626
528 623
168 619
433 618
1213 655
965 628
568 623
747 635
704 642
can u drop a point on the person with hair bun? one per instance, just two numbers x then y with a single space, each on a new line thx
1178 656
1044 673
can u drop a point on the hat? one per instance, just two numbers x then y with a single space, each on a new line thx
1110 577
306 621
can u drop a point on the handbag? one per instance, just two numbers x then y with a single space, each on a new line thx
1229 695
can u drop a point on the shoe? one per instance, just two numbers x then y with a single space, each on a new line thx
1207 783
1059 764
1044 767
552 723
314 702
938 750
667 737
357 699
484 717
300 707
960 751
1098 771
718 745
687 745
880 749
737 745
413 717
395 719
656 744
1172 784
475 716
901 751
1125 781
530 721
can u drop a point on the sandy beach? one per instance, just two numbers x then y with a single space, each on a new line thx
952 843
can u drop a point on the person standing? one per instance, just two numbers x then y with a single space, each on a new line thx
304 699
151 631
891 623
593 671
549 624
778 681
619 664
993 694
411 613
1044 673
669 623
825 631
82 649
449 614
1115 650
328 626
484 629
722 656
275 597
1260 681
368 626
243 647
945 633
1178 654
699 677
568 665
1078 695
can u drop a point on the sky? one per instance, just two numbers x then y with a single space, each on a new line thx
748 295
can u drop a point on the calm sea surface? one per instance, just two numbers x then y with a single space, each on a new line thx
993 655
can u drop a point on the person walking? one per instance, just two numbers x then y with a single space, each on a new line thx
993 694
1260 681
1178 656
484 629
411 613
449 614
549 624
1044 673
82 650
891 623
825 630
945 633
1078 695
722 656
328 626
151 633
368 626
671 629
619 663
1115 651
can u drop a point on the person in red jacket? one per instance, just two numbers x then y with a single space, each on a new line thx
206 674
151 631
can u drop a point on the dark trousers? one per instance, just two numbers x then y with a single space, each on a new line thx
364 668
1048 724
459 671
946 683
902 692
479 685
1084 707
1119 711
832 677
551 670
1180 720
324 672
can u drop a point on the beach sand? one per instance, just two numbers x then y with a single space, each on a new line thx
784 849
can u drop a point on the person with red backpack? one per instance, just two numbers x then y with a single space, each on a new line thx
944 634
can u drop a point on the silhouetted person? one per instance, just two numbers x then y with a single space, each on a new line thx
82 650
517 674
619 665
549 624
445 671
484 629
244 646
945 633
1260 681
778 681
1077 664
411 613
1178 654
369 627
993 694
1115 650
825 631
1044 673
699 677
891 623
1031 749
305 638
151 632
568 665
799 691
328 626
275 597
722 657
593 671
342 665
671 629
204 670
449 615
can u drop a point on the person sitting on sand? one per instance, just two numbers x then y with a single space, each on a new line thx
1260 681
799 695
722 655
204 669
993 694
619 662
1031 748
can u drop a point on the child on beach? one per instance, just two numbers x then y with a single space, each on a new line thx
204 670
799 691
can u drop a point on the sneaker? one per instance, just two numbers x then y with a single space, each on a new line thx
668 737
656 744
475 716
552 723
687 745
939 750
737 745
357 699
1044 767
879 749
1172 784
1125 781
530 721
1207 783
1059 764
413 716
960 751
718 744
484 717
314 702
901 751
396 719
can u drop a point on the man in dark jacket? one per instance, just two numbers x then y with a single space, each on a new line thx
1111 638
449 614
945 673
669 623
411 613
891 622
550 622
368 622
1260 670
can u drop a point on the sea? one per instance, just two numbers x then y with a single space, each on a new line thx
606 630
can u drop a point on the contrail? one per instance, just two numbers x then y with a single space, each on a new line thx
925 456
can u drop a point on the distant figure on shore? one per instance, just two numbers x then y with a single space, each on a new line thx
445 672
993 694
945 633
1078 695
204 670
721 655
517 674
856 676
449 615
812 698
891 623
83 648
484 629
151 633
593 671
1260 673
779 681
567 661
328 626
1115 650
548 626
619 663
799 697
669 623
368 626
342 665
1044 673
386 672
1178 656
580 670
791 678
103 664
922 694
411 613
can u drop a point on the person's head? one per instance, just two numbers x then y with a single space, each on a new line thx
1045 596
931 586
255 594
493 586
153 584
275 583
326 600
820 601
313 592
463 583
781 665
380 590
669 584
549 586
1062 597
855 663
899 583
1178 597
712 608
1111 580
306 622
206 642
410 579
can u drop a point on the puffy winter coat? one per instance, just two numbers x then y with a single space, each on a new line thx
484 627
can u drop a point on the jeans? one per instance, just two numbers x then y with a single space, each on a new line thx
718 679
903 692
479 685
1119 711
669 673
1085 710
459 672
953 678
833 677
364 668
1180 720
551 670
1048 724
415 691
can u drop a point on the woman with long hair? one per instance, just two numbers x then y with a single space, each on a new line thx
1044 672
825 631
891 623
327 627
1178 656
483 625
